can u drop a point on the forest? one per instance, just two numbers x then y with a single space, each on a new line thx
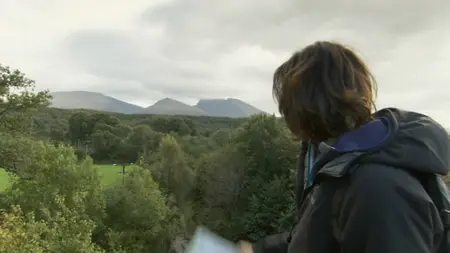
234 176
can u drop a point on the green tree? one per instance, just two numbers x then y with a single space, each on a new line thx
22 233
17 98
221 136
246 188
172 124
57 134
104 118
196 147
172 172
271 161
219 182
109 143
177 180
143 141
53 175
62 199
80 128
138 218
15 153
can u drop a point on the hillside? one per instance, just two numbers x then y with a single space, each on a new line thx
168 106
92 100
230 107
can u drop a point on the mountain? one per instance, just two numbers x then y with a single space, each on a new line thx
92 100
230 107
168 106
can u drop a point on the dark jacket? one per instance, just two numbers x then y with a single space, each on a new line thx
366 195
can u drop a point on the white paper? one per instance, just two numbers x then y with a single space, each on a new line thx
205 241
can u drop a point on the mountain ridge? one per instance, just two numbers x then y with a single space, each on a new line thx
169 106
217 107
227 107
91 100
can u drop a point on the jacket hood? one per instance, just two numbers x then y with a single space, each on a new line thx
403 139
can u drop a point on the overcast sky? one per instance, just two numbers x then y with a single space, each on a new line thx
141 51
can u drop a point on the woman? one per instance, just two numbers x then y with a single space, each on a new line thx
359 188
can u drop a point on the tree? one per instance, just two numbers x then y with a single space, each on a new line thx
104 145
17 98
195 147
15 153
60 202
22 233
172 124
80 128
138 218
143 141
271 157
271 163
100 135
221 136
172 172
53 181
177 180
245 188
219 182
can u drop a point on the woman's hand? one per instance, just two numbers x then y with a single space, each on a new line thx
245 247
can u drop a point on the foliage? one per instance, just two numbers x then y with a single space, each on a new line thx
17 98
172 172
52 175
22 233
256 170
137 216
235 176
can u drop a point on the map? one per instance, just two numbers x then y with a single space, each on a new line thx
205 241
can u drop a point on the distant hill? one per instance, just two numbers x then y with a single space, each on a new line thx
168 106
230 107
92 100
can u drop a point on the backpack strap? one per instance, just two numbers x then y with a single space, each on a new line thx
439 193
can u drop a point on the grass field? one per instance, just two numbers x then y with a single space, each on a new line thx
4 180
110 174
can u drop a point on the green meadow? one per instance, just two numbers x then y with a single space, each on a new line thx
109 173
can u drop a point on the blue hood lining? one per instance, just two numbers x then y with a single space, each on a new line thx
371 135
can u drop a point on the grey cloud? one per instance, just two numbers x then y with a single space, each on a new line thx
190 57
114 55
289 23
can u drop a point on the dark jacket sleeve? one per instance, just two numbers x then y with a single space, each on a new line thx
387 210
272 244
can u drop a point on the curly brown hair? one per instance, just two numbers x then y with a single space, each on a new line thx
324 91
